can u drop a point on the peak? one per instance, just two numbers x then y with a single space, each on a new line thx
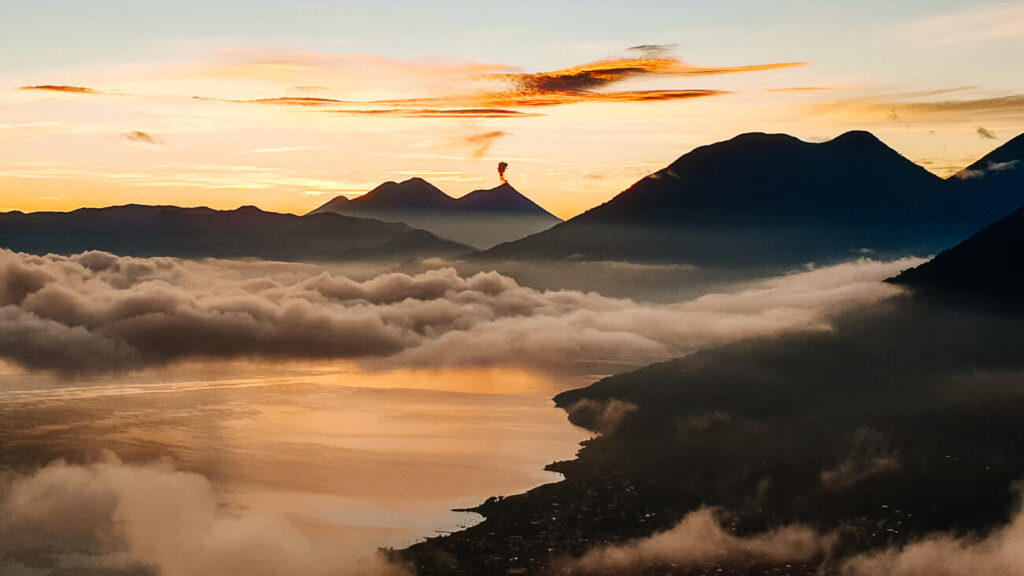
502 198
758 138
414 181
856 138
503 188
411 193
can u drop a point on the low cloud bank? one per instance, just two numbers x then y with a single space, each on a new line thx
700 541
120 518
96 312
1001 553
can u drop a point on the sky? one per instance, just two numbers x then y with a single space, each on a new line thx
284 105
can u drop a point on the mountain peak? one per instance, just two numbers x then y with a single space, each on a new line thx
760 138
856 138
414 193
503 198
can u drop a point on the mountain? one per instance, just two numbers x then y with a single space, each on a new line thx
481 218
990 263
246 232
771 200
998 177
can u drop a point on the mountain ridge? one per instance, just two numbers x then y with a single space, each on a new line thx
161 230
772 200
481 218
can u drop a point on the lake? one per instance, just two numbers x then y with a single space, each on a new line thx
350 459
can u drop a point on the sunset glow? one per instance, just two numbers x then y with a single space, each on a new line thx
284 109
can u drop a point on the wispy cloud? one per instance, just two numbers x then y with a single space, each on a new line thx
973 24
437 112
142 138
61 88
653 50
482 141
801 89
442 89
986 133
588 82
918 106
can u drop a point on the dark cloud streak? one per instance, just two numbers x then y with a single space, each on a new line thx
482 142
142 137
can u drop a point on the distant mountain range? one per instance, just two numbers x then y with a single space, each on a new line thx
757 202
481 218
246 232
773 200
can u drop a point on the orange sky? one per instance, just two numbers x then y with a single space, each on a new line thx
237 122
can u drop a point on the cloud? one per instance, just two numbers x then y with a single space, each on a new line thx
438 112
142 137
653 50
699 540
95 312
587 82
447 89
972 173
985 133
911 107
298 101
801 89
969 25
896 430
600 416
868 455
482 141
998 553
150 517
61 88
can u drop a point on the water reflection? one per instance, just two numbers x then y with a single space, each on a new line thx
368 458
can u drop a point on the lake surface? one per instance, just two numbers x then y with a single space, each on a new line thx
360 459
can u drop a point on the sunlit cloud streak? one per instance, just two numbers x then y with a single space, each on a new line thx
471 89
61 88
906 107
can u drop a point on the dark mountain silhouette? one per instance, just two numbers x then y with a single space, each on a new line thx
990 263
898 424
771 200
136 230
482 218
998 178
414 193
